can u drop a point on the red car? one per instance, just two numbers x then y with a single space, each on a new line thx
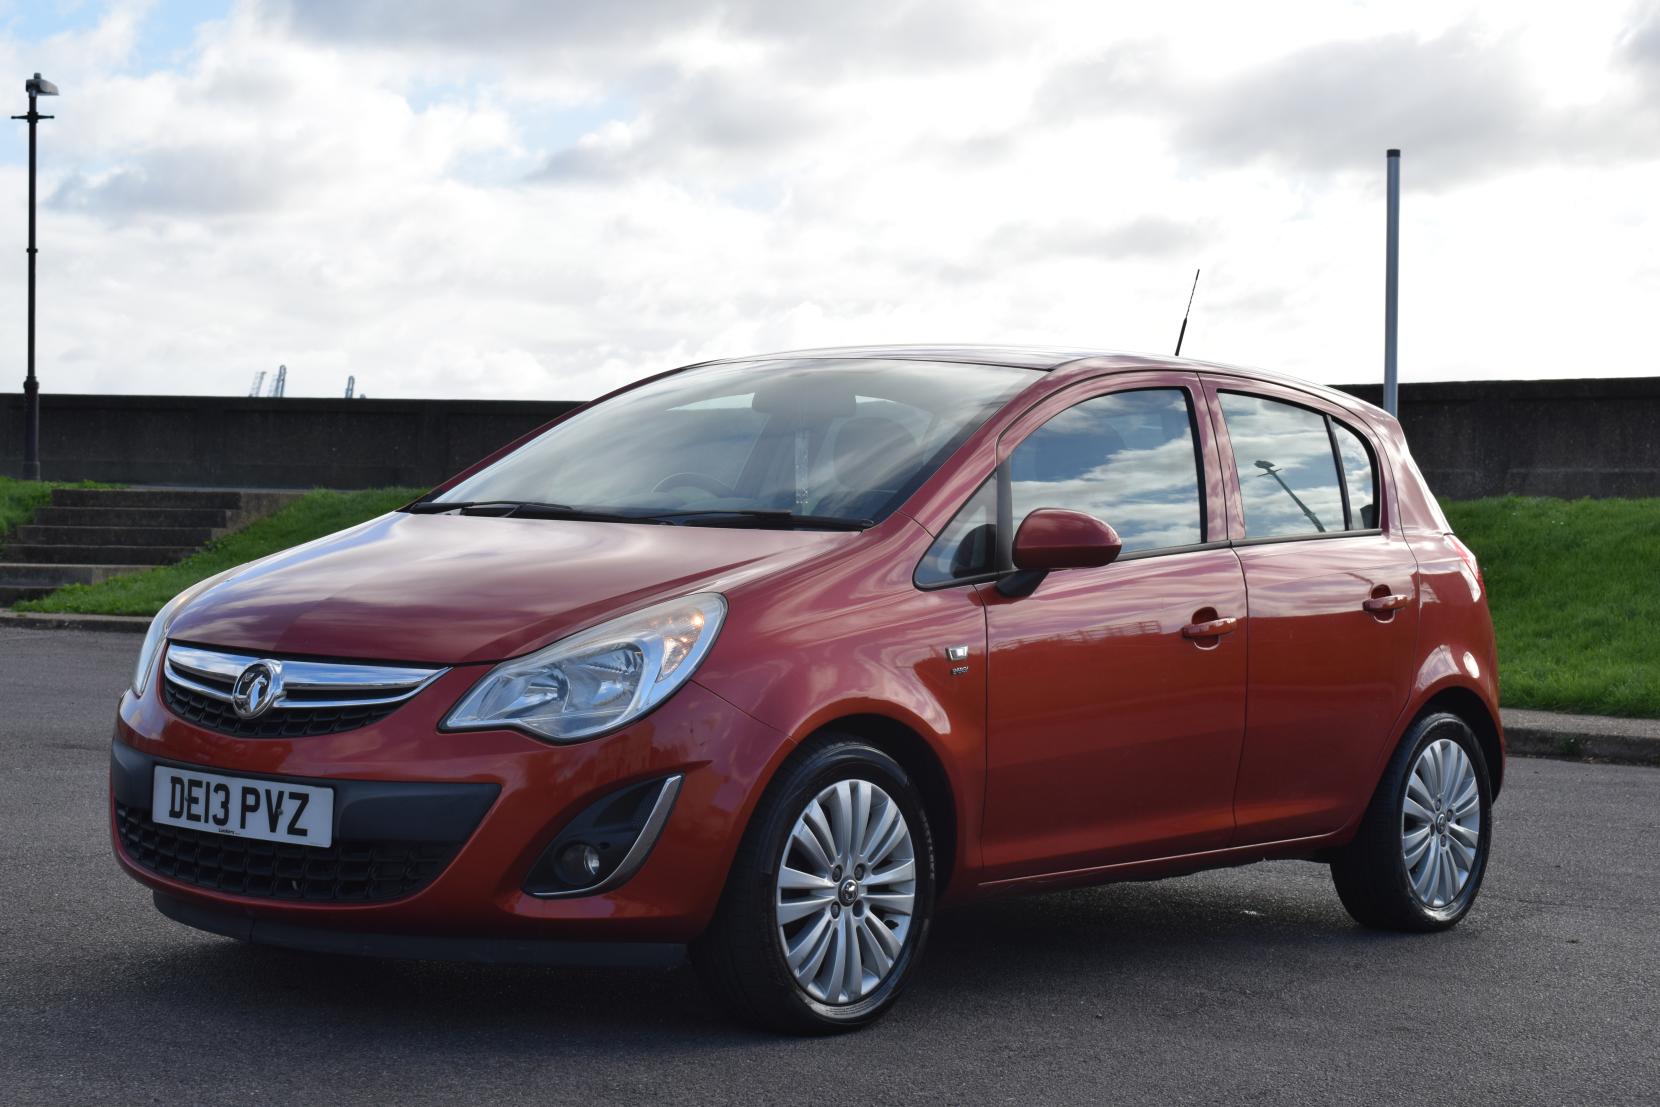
771 658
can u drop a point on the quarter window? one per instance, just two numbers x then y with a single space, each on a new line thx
967 547
1359 477
1288 480
1127 458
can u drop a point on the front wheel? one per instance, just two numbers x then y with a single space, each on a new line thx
828 904
1418 859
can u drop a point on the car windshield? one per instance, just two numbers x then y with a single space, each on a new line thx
784 442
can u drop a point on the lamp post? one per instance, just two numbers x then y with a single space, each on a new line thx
1268 467
35 86
1391 281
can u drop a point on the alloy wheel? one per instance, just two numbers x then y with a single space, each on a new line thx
1440 823
846 891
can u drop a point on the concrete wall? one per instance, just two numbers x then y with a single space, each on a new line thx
1598 437
1570 438
263 443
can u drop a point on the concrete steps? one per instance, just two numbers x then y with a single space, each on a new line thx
212 517
86 535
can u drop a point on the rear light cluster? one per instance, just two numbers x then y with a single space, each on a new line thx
1469 558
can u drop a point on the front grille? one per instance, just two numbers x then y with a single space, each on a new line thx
289 697
346 872
289 722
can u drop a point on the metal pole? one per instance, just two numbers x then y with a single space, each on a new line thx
1391 286
31 386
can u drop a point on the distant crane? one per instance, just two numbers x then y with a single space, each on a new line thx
351 386
280 388
259 383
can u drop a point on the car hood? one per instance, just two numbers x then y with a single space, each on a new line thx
451 589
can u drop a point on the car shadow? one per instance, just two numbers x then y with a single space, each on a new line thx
1182 940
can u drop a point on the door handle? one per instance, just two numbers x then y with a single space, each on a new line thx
1377 605
1210 628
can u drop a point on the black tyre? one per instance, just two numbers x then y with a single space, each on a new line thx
1417 862
827 907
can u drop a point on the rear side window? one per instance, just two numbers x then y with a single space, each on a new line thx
1288 481
1127 458
1360 477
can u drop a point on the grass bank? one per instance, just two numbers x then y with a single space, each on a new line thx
311 516
1574 586
20 498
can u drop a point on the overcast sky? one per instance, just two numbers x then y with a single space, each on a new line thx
531 199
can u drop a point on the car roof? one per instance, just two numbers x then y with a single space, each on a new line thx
1050 358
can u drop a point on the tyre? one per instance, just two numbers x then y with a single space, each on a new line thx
1417 861
827 908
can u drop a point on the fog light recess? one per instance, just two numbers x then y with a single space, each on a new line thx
606 843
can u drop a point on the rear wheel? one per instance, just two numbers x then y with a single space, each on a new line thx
1418 859
827 908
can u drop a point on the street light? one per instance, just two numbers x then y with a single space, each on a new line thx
34 86
1268 467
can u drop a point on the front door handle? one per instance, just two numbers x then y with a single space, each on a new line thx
1210 628
1377 605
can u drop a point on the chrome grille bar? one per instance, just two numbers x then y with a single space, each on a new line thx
305 684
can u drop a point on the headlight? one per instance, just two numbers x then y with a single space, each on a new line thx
598 680
156 636
153 639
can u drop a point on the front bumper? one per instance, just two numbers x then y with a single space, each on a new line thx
497 797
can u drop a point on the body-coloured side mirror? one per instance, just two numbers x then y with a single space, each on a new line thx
1053 538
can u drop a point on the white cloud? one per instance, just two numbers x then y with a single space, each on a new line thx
539 200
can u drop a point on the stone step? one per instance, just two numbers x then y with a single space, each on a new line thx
225 499
94 555
212 517
31 534
11 593
31 575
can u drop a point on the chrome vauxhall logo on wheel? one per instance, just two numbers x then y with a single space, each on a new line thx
257 688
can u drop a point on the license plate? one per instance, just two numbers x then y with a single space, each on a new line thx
271 810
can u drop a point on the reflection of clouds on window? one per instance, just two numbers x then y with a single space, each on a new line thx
1288 481
1126 458
1360 477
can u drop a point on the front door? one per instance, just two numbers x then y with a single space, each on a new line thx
1116 695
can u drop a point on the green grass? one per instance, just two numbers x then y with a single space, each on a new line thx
20 498
311 516
1574 587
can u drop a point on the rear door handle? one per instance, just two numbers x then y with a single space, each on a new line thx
1377 605
1211 628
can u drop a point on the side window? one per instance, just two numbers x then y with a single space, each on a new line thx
1127 458
1359 477
1288 482
967 547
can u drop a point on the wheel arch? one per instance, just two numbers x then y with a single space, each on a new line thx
924 766
1469 706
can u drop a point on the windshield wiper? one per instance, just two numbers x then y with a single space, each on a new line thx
735 516
709 516
529 509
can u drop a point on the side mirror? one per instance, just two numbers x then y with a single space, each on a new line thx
1053 538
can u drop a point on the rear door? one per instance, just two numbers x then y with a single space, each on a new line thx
1333 603
1113 729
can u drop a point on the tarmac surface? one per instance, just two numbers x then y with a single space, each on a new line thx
1244 986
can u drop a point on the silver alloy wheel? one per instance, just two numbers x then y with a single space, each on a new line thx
846 890
1440 823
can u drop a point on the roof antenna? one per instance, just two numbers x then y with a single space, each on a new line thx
1186 313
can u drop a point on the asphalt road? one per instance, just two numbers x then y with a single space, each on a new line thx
1237 987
